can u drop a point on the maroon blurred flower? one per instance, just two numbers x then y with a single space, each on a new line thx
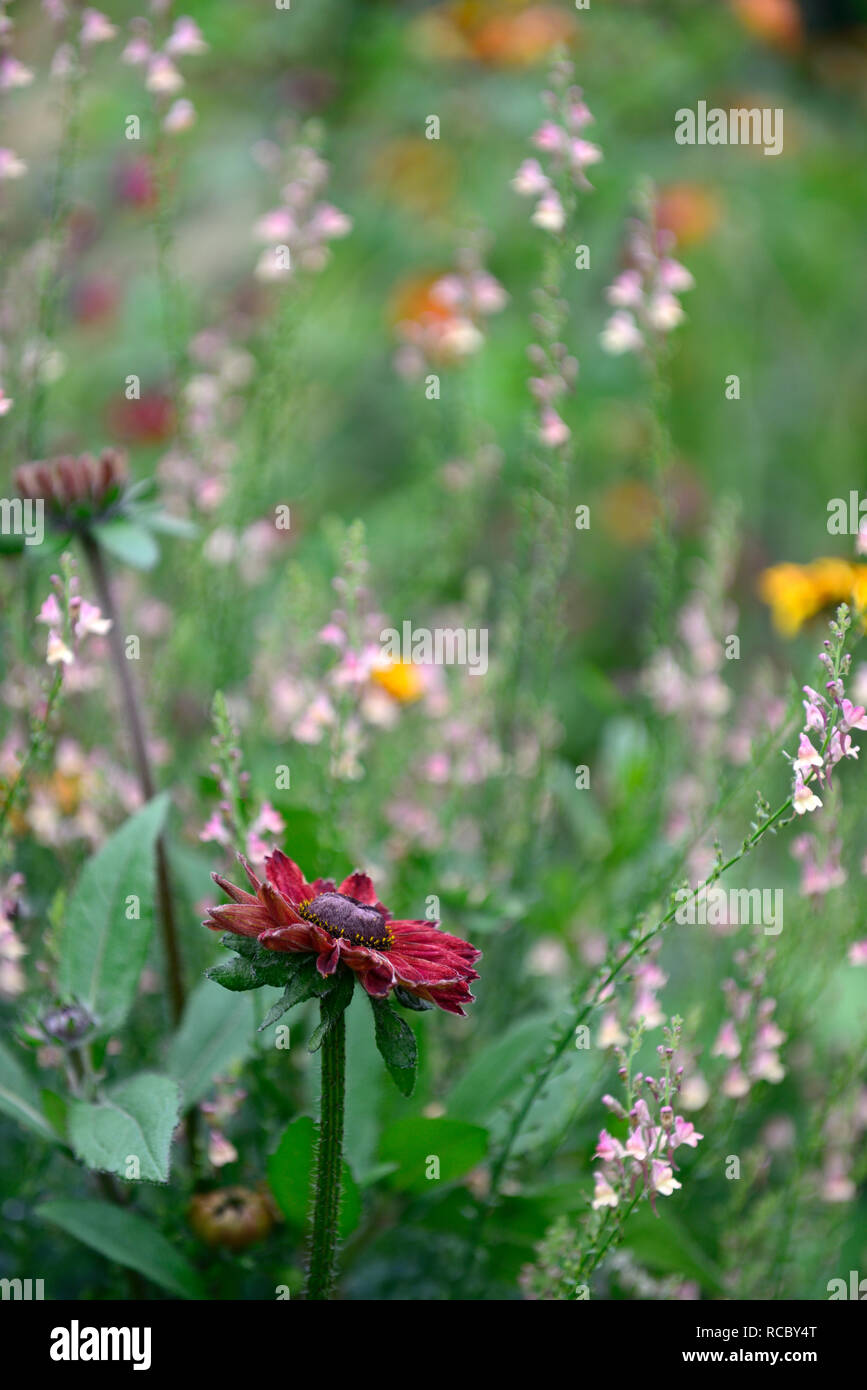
75 486
148 420
349 926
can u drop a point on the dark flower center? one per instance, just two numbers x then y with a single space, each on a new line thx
343 916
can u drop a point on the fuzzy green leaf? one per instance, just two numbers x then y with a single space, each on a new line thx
235 974
216 1031
396 1042
102 949
133 1120
305 984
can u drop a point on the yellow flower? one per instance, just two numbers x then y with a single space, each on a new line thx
402 680
796 593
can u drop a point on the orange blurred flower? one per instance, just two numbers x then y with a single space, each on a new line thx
689 211
775 22
503 33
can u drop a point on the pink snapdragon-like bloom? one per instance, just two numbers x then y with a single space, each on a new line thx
604 1195
163 78
301 228
565 153
12 949
553 431
531 179
807 756
180 116
621 334
12 73
644 295
663 1180
96 28
804 799
684 1132
857 953
185 38
854 716
727 1042
82 618
11 167
607 1148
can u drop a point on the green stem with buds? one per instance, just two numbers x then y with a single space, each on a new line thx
321 1273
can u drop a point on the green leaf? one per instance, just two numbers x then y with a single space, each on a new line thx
408 1000
154 519
236 975
290 1176
55 1109
409 1144
133 1120
499 1070
127 1238
19 1096
396 1042
333 1006
270 967
128 541
102 951
305 984
216 1031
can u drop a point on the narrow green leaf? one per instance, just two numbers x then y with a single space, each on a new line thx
55 1109
134 1120
396 1042
216 1031
102 948
127 1238
304 984
19 1096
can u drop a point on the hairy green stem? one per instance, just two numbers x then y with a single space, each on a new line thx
321 1273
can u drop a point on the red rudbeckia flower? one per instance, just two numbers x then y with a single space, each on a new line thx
349 926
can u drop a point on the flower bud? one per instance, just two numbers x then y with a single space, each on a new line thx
69 1024
231 1217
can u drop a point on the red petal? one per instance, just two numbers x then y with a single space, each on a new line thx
287 878
328 961
239 918
359 886
238 895
295 938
